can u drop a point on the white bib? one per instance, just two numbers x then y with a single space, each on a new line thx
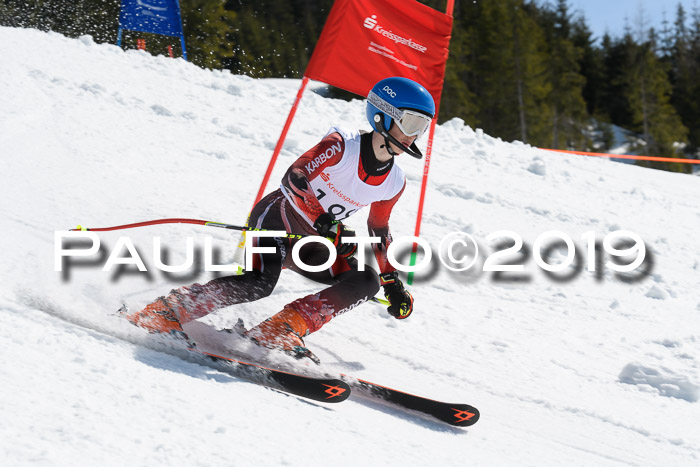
339 188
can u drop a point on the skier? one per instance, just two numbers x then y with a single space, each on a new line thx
344 172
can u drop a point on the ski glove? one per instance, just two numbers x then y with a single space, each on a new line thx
400 300
335 231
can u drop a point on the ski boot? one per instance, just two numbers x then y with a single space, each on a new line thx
158 318
284 332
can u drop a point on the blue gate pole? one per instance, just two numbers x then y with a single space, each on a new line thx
184 50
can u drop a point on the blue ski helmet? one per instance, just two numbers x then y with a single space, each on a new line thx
390 95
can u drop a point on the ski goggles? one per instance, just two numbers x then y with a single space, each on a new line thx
410 122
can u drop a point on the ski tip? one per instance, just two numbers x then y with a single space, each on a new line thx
461 415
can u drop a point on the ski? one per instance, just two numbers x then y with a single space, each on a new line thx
452 414
331 390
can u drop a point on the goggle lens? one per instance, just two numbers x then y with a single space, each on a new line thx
413 123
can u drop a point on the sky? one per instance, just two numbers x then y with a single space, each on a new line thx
610 15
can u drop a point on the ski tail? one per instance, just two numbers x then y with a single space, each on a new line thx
330 390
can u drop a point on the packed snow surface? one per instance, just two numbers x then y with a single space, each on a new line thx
575 367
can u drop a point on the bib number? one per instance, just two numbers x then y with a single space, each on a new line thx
339 211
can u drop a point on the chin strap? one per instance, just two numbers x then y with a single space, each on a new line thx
411 151
388 147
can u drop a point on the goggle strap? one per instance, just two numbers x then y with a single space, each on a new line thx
412 150
384 106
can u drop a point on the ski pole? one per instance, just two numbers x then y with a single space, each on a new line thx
180 221
196 222
381 301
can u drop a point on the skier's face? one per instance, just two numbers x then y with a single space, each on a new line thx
406 141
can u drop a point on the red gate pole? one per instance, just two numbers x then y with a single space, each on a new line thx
426 166
238 254
280 141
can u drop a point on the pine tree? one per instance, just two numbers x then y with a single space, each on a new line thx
690 112
617 54
492 74
666 38
592 68
276 38
98 18
458 99
533 89
207 26
569 116
501 62
682 61
648 92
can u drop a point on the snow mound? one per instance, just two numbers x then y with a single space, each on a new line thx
663 380
658 292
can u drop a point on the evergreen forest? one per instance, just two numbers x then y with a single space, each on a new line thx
527 70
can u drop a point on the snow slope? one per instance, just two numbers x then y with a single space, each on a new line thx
593 370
